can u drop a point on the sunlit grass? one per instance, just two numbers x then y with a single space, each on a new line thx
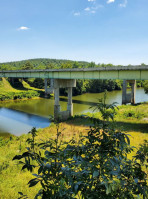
5 87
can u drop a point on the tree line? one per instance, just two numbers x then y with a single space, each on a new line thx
49 64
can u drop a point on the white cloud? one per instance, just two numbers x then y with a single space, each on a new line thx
93 11
110 1
97 7
77 14
124 4
87 9
23 28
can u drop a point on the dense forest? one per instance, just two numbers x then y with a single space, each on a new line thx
43 64
48 64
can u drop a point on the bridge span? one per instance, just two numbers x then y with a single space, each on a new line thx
118 72
66 78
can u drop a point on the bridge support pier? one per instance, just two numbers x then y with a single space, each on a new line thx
70 104
51 89
63 83
48 90
128 97
45 82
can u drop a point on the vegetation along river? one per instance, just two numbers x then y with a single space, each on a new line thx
18 117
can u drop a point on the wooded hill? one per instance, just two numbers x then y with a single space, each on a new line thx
44 64
48 64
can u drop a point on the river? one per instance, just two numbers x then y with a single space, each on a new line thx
18 117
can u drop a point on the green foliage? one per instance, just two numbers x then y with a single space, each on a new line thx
3 141
97 166
107 111
37 83
91 65
27 66
19 95
133 114
97 86
142 154
43 64
146 86
139 83
22 90
81 87
66 65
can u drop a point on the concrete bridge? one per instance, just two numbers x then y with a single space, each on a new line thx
66 78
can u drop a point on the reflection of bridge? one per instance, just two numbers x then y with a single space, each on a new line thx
66 78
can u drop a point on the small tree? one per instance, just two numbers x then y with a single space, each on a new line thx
27 66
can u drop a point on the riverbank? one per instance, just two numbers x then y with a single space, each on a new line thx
23 91
131 119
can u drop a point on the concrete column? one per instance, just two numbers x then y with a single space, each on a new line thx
51 83
56 96
130 97
51 89
124 92
56 103
133 93
70 105
63 83
45 81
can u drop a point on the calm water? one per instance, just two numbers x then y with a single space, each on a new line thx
18 117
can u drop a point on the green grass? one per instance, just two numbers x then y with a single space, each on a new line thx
12 179
131 118
136 126
7 92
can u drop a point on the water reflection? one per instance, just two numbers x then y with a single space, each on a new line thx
17 122
19 117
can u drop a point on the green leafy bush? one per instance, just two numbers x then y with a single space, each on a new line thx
146 86
19 95
133 114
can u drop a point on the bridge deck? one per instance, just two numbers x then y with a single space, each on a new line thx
123 73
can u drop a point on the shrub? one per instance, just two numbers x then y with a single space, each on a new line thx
133 114
19 95
146 86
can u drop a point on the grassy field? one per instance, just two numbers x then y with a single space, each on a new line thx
12 179
22 91
130 119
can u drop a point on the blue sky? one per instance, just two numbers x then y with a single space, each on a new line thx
103 31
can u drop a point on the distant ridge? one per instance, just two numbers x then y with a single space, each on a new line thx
42 63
